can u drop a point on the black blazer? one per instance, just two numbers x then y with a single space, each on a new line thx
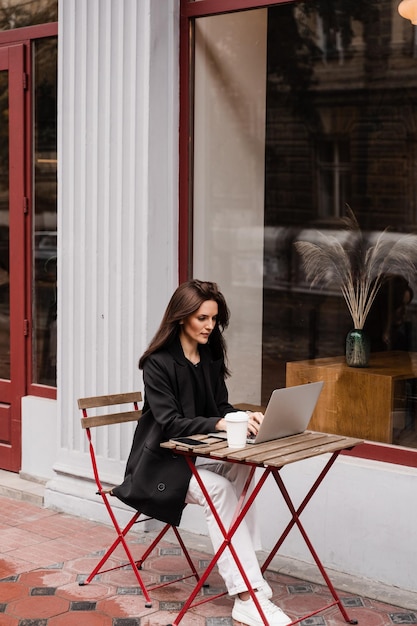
156 480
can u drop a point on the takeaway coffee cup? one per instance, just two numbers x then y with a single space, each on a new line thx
237 429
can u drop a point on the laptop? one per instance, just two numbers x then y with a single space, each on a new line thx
288 412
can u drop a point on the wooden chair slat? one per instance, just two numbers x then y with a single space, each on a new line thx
111 418
103 414
109 400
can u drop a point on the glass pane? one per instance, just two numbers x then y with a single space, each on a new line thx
301 109
4 229
16 14
230 91
45 213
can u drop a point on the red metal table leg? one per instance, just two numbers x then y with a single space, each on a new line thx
240 513
295 520
241 510
311 492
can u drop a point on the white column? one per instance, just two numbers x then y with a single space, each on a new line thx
117 213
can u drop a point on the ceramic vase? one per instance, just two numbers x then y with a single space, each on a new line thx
357 348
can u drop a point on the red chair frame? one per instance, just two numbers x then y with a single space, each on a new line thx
87 422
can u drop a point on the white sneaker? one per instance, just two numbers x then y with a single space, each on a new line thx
245 611
266 589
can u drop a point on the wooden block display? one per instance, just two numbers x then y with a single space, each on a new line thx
356 402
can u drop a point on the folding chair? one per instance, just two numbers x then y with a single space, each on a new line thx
103 403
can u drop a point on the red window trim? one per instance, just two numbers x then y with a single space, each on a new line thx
384 452
17 35
185 151
201 8
42 391
34 389
189 10
26 35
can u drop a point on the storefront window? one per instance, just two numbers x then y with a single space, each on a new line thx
17 14
299 110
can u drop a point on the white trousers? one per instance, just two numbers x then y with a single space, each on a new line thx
224 483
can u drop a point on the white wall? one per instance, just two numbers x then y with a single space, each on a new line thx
117 210
39 436
361 520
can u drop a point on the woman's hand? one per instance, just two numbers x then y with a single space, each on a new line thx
221 424
254 422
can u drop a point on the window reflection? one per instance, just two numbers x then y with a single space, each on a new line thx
338 124
45 213
351 100
17 14
333 176
389 328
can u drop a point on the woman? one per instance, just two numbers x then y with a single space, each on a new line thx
184 372
386 324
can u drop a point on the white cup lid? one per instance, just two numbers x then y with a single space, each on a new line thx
238 416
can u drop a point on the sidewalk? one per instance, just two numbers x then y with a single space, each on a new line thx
44 554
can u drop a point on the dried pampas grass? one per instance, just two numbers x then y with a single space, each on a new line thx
358 269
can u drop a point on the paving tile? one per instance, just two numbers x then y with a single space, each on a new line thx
127 606
168 563
169 593
11 565
36 607
127 578
16 512
10 579
45 554
349 602
82 605
220 608
86 564
403 618
81 619
14 537
365 617
11 591
300 588
46 578
9 620
74 591
162 618
129 591
43 591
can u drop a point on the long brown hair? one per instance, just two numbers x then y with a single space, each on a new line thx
185 301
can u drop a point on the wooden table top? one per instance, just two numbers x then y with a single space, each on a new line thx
276 453
395 364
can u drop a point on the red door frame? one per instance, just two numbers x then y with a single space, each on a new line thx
188 11
15 49
12 390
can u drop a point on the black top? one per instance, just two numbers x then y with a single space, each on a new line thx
180 400
199 385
